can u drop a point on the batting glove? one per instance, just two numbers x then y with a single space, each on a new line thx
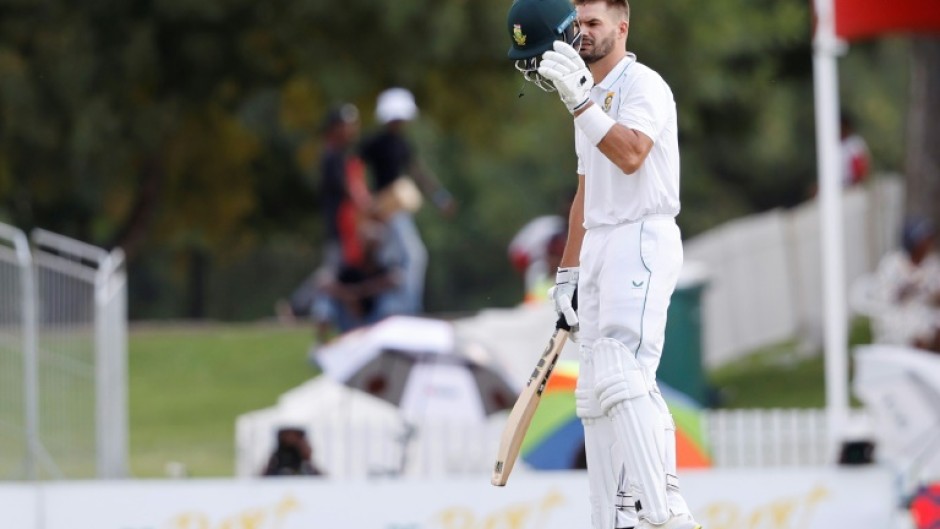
566 283
567 71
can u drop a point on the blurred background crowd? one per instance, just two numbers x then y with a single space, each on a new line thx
190 133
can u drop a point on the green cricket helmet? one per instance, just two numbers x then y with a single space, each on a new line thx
534 25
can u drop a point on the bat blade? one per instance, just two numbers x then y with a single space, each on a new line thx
524 409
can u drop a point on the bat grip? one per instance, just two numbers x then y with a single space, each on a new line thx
562 323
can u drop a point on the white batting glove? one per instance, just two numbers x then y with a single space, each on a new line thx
567 71
566 282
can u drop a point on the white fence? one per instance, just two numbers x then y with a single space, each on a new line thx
765 280
770 438
63 351
749 438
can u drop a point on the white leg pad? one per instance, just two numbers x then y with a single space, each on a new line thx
604 463
676 502
626 501
624 389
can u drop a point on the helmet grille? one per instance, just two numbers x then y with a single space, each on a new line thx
529 67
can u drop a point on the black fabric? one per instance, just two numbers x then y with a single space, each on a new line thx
351 275
332 189
388 156
858 452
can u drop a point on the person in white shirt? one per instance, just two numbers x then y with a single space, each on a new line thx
908 289
624 249
853 152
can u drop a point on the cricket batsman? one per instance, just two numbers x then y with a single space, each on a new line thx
624 249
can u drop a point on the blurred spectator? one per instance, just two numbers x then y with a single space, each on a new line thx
346 203
535 253
345 197
908 283
541 275
293 455
354 293
398 174
535 250
856 160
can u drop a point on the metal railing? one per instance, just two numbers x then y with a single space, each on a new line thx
63 350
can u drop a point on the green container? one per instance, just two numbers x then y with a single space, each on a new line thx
681 365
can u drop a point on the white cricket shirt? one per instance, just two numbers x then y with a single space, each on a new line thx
637 98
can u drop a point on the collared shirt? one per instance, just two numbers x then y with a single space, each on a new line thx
637 98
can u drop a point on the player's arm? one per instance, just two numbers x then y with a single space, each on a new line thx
624 146
571 256
431 186
627 148
566 277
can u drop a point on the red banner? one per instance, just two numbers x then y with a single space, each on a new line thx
859 19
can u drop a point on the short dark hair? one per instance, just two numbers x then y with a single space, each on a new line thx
915 231
623 5
339 114
846 120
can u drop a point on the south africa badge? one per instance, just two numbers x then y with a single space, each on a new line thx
518 35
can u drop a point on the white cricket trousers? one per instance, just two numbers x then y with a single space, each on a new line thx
628 273
627 276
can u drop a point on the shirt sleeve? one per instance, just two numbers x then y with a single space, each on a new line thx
647 106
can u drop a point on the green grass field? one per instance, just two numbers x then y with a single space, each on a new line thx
188 383
779 376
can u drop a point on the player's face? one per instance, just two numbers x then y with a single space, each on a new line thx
600 27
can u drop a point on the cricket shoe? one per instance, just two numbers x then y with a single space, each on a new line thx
679 521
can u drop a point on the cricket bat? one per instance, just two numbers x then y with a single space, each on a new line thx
522 411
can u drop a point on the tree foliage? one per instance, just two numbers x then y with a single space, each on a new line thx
186 132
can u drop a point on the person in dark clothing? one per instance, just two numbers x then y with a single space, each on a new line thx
292 456
358 287
397 175
346 204
345 196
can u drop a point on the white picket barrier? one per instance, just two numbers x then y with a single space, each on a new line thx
758 438
764 270
744 438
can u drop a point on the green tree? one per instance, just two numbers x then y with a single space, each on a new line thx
187 132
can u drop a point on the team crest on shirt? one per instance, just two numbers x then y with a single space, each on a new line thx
608 100
518 35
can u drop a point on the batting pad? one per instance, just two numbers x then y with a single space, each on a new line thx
623 389
604 464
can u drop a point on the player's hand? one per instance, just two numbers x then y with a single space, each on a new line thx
567 71
566 284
